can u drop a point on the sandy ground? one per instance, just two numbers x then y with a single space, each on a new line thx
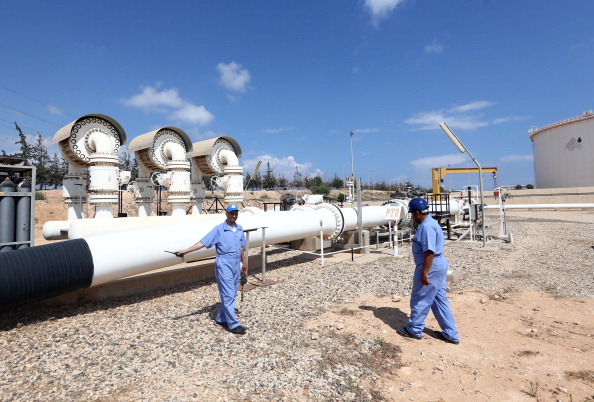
511 348
515 347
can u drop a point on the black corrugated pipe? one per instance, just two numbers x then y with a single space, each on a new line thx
37 273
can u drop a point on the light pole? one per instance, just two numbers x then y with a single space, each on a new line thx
357 183
352 156
351 180
463 149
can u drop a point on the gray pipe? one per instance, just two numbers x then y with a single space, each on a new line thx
7 214
23 215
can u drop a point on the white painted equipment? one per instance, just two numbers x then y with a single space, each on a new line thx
92 142
219 155
162 150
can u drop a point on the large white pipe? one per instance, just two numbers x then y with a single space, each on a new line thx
541 206
89 227
36 272
114 257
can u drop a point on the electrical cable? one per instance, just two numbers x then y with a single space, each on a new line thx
33 99
30 115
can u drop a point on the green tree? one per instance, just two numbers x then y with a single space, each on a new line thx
56 170
269 179
282 182
127 163
317 181
297 178
337 182
307 182
320 190
41 161
529 186
26 148
257 181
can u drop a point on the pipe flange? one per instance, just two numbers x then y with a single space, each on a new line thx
78 148
160 140
338 216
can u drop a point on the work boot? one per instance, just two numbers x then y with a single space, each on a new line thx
238 330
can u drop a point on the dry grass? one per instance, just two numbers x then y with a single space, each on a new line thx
586 376
524 353
376 358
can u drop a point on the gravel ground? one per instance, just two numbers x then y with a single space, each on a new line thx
163 345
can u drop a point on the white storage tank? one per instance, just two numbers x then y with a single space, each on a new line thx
564 152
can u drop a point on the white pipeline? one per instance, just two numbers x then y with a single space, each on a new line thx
122 254
541 206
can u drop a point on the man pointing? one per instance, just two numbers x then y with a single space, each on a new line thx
230 244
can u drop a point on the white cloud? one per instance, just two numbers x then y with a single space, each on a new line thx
193 114
475 105
233 77
431 162
150 99
434 47
516 158
55 110
501 120
366 130
381 9
278 130
468 116
285 166
169 102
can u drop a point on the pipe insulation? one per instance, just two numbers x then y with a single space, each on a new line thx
44 271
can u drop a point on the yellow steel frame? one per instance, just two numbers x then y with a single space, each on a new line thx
437 174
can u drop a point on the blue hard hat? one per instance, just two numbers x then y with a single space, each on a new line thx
417 204
232 207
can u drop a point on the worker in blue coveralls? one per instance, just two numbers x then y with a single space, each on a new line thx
230 244
429 281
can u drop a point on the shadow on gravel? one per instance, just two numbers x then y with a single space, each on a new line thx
36 312
211 310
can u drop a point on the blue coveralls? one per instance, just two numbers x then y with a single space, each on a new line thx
228 267
429 236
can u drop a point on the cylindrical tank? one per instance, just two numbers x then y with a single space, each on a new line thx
563 152
23 214
7 214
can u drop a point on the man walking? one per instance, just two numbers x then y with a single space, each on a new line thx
230 244
429 281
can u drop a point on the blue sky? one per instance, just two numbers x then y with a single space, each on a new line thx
289 79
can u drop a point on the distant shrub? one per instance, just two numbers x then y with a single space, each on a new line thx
320 190
39 196
264 197
341 197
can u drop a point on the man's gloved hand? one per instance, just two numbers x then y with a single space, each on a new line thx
243 279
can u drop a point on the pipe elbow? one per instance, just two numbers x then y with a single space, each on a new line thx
228 158
100 142
174 151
